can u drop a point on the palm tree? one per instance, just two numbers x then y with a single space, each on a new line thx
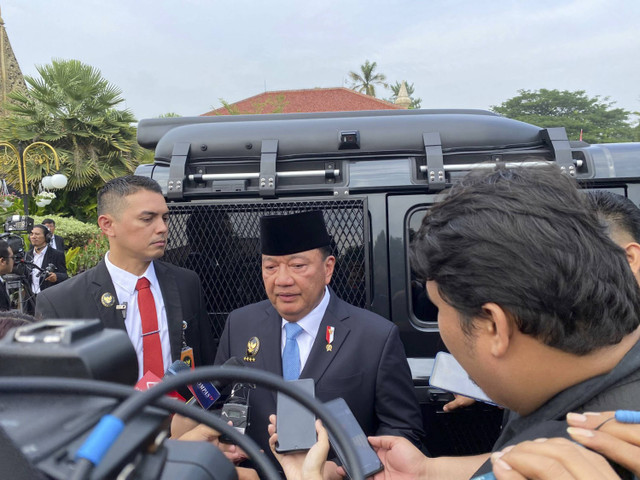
72 107
366 81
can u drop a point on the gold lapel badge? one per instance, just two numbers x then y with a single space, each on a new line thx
107 299
253 345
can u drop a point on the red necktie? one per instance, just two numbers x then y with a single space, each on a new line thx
151 347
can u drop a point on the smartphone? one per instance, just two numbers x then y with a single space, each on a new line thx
295 424
448 374
367 457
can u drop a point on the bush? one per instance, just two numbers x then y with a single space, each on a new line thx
83 258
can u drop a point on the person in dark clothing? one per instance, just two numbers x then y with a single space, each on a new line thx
535 301
44 257
56 241
6 266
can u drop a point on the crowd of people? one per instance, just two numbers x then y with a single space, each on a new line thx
536 286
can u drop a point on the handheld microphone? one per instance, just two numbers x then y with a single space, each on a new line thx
206 393
148 380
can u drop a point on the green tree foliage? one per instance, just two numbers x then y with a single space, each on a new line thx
395 88
599 121
366 80
73 108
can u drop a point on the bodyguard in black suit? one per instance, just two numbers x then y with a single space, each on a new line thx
40 280
56 241
83 296
352 353
133 215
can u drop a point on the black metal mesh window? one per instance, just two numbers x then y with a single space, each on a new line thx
221 243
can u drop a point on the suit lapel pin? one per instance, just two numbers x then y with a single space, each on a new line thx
253 345
108 300
330 332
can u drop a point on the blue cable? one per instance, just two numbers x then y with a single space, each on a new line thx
101 438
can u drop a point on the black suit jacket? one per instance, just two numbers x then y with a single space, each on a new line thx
59 242
366 366
80 297
5 302
55 257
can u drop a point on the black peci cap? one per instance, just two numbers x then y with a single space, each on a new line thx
287 234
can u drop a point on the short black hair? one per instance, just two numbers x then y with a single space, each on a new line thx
4 249
118 188
526 240
617 211
48 220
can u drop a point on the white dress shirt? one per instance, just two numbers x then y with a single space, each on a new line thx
125 285
38 258
310 325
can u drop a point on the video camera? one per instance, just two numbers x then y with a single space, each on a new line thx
46 429
16 242
18 223
47 420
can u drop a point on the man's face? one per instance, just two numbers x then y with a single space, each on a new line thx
51 227
6 264
295 283
37 237
139 230
461 345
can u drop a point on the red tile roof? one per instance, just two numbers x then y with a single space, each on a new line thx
338 99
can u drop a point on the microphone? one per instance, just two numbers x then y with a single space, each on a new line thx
148 380
206 393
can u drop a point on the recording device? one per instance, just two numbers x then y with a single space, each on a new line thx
45 420
205 393
295 424
448 374
69 348
40 433
236 409
18 223
16 242
49 269
367 457
149 380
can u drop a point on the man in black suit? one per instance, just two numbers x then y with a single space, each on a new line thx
6 266
56 241
133 214
350 352
43 256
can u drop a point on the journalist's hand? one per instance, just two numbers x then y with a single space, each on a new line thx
458 402
307 465
550 459
203 433
401 459
619 442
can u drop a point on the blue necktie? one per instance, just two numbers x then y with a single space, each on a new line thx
291 352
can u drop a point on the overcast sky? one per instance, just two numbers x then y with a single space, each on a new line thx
182 56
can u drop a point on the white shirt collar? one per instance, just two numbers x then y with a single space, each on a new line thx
311 322
126 280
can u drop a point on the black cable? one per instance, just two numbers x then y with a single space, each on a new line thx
134 404
33 385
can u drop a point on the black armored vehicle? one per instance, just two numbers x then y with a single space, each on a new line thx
374 175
